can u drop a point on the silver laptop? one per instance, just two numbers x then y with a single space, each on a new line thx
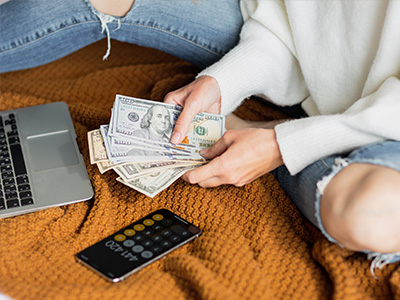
40 162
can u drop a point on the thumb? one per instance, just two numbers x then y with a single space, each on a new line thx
182 124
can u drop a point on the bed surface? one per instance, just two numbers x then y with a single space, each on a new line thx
255 244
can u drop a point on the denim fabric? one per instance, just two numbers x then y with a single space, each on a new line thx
306 187
35 32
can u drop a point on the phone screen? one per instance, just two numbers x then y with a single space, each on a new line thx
138 244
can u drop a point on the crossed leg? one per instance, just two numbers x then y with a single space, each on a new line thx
360 207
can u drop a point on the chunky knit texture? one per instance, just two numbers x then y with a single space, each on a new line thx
255 244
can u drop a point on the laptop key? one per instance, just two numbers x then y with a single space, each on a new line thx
26 194
13 140
12 133
10 188
4 155
24 187
8 181
11 195
26 201
2 203
22 179
6 175
18 159
10 122
6 168
5 161
12 203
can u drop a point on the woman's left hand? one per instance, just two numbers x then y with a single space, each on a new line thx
239 157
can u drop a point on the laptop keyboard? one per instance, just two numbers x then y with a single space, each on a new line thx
15 190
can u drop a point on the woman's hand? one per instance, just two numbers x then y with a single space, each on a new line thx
201 95
238 158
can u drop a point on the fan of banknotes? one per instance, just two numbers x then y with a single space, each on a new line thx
136 143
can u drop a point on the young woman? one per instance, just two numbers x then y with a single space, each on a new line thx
340 164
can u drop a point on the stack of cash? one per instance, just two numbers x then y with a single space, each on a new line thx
136 143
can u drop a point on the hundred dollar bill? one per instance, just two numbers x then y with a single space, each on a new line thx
97 151
154 183
140 153
154 121
114 146
118 143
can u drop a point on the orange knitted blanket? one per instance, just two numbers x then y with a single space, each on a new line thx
255 244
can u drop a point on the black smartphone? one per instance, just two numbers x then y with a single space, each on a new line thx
138 245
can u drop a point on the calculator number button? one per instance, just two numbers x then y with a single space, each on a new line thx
128 243
137 248
146 254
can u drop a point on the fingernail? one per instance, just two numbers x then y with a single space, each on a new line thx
175 137
203 151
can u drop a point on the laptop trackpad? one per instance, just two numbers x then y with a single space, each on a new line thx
52 150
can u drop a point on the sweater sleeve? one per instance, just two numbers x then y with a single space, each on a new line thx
263 63
373 118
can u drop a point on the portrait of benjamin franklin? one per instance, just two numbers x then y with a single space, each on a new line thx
155 126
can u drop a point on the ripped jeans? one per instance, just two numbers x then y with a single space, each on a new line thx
305 188
36 32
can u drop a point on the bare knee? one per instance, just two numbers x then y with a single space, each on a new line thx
360 208
117 8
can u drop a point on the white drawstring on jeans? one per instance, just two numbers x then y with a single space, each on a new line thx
105 19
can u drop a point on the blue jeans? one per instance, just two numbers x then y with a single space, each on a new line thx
305 188
36 32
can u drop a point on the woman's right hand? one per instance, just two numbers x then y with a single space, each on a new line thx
201 95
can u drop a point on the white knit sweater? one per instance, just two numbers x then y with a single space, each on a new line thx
339 58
